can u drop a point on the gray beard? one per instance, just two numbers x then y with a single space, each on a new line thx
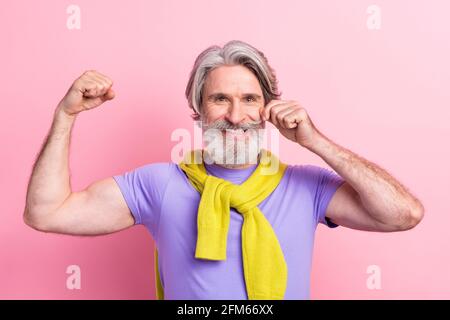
223 149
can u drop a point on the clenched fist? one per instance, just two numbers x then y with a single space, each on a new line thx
89 91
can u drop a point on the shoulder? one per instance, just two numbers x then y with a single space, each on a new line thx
155 174
305 172
311 175
157 169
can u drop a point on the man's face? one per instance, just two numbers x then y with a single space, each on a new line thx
230 114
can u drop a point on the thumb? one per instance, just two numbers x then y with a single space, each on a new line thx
109 95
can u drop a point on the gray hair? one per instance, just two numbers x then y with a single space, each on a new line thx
234 52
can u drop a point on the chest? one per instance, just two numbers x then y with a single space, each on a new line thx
289 213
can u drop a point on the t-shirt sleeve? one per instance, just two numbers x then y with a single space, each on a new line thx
324 182
143 190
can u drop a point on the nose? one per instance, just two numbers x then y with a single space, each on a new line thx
235 113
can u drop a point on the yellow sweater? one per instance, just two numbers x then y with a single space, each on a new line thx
265 268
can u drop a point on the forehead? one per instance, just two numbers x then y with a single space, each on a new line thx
232 78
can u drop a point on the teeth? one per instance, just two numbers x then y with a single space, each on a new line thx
235 130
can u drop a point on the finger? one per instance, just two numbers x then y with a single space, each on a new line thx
283 119
269 106
274 104
275 110
107 81
89 89
102 85
88 75
92 75
292 119
300 115
109 95
102 76
273 113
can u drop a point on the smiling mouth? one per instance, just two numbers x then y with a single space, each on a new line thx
235 131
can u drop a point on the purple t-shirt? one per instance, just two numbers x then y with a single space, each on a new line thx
161 197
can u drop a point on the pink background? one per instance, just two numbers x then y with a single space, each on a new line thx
381 93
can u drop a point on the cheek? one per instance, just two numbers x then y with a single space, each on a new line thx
213 113
254 113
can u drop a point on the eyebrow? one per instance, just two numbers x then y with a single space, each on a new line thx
218 94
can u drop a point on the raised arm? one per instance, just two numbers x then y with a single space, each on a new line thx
51 206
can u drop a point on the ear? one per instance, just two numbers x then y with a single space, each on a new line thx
196 116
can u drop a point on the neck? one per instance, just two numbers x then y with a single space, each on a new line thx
234 166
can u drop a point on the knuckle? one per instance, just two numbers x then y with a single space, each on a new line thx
90 72
302 112
89 85
271 102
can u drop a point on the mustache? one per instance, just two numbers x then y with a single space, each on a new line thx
225 124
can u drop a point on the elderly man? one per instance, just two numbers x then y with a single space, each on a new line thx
226 228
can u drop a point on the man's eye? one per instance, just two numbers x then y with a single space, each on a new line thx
250 99
220 98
